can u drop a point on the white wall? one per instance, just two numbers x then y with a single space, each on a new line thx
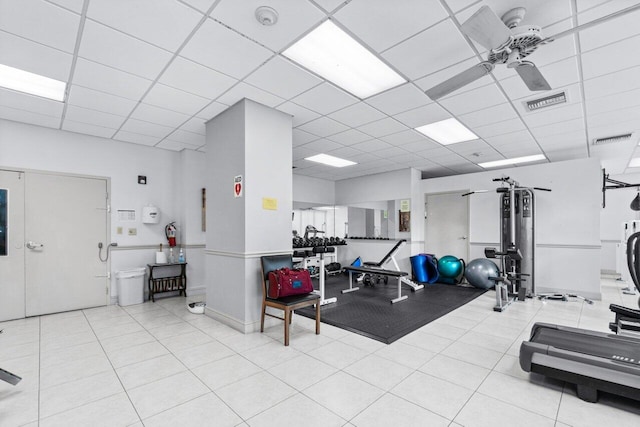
25 146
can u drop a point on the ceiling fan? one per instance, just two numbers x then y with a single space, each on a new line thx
508 44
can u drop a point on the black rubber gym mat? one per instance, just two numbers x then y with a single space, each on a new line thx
369 312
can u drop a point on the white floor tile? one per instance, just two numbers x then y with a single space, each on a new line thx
200 355
434 394
426 341
150 370
206 410
71 371
111 411
338 354
391 410
158 396
18 407
120 342
175 329
271 354
487 341
407 355
455 371
378 371
243 342
252 395
344 394
609 410
363 343
485 411
473 354
297 410
136 353
302 371
225 371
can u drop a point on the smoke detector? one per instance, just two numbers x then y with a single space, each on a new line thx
266 15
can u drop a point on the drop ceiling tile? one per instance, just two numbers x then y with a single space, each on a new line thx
224 50
243 90
323 145
73 5
539 12
282 78
174 99
552 115
420 146
211 110
157 115
364 157
500 128
382 24
399 99
24 116
357 114
109 80
202 5
427 82
323 127
115 49
301 137
584 5
559 74
559 128
457 5
382 127
26 102
34 57
477 99
614 117
196 79
487 116
434 49
607 32
87 129
136 138
145 128
404 137
389 153
469 147
347 153
613 83
93 117
300 153
610 58
371 145
164 23
168 144
567 154
569 139
300 114
613 102
423 116
195 125
100 101
510 138
190 138
294 19
41 22
325 99
349 137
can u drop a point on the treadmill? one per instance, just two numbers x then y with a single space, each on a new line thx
594 361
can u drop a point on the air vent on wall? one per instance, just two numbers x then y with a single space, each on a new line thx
610 139
547 101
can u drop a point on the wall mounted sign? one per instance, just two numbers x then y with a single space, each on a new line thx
269 204
405 205
237 186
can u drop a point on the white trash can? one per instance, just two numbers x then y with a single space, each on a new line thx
130 286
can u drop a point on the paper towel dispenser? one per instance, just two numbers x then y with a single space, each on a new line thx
150 215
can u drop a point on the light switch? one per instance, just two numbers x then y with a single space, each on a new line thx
133 231
119 230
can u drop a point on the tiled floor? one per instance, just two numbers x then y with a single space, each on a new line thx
159 365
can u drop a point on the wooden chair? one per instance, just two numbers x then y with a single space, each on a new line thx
286 304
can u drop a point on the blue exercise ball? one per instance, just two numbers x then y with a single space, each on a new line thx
450 267
478 272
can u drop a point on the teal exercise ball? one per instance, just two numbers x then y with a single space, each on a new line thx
479 271
450 267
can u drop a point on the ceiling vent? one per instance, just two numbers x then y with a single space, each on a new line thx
547 101
611 139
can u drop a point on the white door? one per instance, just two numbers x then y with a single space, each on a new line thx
66 218
447 225
11 245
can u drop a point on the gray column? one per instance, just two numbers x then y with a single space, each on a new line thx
255 142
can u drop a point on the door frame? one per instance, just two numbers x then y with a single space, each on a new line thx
108 213
468 216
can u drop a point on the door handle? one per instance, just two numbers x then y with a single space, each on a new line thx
34 245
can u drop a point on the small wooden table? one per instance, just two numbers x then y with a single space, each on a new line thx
167 283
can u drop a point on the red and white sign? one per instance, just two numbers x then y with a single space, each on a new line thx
237 186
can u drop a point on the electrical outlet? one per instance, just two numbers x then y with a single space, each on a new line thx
133 231
119 230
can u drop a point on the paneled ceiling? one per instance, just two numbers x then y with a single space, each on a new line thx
152 72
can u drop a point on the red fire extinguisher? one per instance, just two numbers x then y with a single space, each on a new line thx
170 231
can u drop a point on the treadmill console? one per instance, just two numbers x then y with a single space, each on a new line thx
625 359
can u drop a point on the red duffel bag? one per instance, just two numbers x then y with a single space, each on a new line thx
285 282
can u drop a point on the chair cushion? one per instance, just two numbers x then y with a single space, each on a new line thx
295 299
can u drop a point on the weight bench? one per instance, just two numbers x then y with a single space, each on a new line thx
381 271
391 257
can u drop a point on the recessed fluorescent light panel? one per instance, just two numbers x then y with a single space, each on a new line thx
333 54
513 161
34 84
449 131
326 159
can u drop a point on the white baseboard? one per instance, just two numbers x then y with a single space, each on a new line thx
196 290
238 325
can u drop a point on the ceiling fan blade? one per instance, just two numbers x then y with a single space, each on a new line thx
593 23
456 82
486 28
531 76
